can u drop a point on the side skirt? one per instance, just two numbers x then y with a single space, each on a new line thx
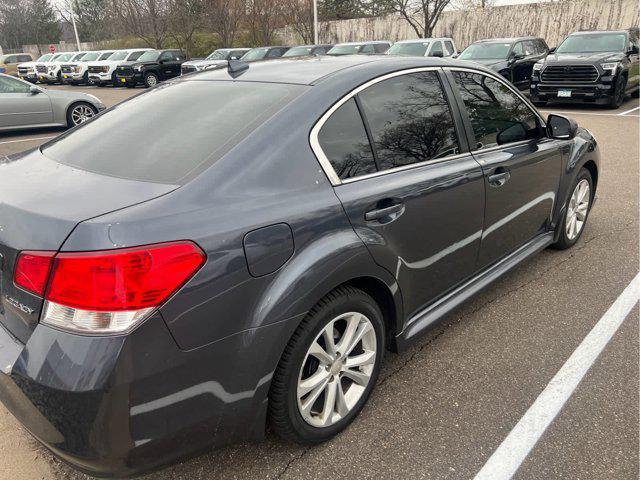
428 318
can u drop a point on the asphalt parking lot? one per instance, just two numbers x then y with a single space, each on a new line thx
441 409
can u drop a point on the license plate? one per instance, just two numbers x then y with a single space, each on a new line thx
41 78
66 76
123 80
564 93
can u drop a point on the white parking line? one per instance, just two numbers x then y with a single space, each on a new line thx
629 111
506 460
26 140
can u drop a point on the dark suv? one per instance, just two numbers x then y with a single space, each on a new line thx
598 67
152 67
513 58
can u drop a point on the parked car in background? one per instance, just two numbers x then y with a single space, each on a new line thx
50 72
424 47
9 63
217 57
264 53
513 58
180 274
103 72
151 68
598 67
23 105
360 48
307 50
27 70
76 72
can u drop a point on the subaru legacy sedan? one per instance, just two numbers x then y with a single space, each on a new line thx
189 290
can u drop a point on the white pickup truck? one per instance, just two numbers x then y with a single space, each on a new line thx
76 72
27 70
103 72
49 71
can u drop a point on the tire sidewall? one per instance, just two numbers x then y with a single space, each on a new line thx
350 303
146 79
563 240
70 123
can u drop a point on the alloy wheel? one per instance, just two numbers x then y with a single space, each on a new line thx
337 369
577 209
81 113
152 80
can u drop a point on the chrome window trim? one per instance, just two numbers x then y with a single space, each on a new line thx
315 131
503 81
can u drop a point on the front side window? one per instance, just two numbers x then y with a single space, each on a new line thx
367 49
518 49
344 142
381 47
448 46
11 85
166 56
135 56
436 50
498 116
255 54
149 56
410 120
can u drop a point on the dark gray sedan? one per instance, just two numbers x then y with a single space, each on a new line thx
23 105
173 281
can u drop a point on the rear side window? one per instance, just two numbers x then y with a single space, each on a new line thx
11 85
344 142
410 120
498 116
156 137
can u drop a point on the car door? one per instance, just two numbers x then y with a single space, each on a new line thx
633 54
410 190
166 63
519 64
521 166
20 107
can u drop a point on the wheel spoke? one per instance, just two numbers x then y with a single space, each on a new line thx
329 403
363 328
347 337
366 358
313 396
341 401
315 380
358 377
320 353
329 339
581 211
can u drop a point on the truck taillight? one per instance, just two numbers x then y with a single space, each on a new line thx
112 291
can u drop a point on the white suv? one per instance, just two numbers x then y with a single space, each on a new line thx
77 72
103 72
424 47
49 71
27 70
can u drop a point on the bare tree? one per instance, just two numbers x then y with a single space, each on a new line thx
471 4
145 19
264 17
298 14
224 17
421 15
185 17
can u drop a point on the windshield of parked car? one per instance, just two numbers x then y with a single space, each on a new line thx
63 58
414 49
486 51
150 56
105 56
44 58
344 49
219 54
77 57
255 54
89 57
593 43
298 51
179 144
118 56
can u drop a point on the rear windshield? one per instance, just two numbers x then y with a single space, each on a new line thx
171 133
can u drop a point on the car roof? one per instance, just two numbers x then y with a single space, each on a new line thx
420 40
362 43
595 32
506 39
311 70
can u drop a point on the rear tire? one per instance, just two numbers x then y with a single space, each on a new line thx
576 211
317 390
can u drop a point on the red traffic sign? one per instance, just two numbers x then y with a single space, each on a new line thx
52 48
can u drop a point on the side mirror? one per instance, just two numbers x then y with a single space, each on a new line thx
34 90
552 50
634 50
561 128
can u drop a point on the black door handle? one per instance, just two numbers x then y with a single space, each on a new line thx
383 212
499 178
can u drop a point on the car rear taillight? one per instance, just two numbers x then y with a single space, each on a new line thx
32 271
112 291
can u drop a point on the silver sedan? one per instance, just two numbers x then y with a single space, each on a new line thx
23 105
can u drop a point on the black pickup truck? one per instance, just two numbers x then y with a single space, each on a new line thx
151 68
598 67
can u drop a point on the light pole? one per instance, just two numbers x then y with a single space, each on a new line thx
73 21
315 22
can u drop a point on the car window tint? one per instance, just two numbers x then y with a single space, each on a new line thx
497 115
448 46
529 47
134 56
164 141
517 49
381 47
367 48
410 120
436 49
344 142
11 85
166 56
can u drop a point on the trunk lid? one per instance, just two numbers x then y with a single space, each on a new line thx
41 202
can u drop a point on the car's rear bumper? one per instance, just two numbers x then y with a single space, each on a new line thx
598 93
119 405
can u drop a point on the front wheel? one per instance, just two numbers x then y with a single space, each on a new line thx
329 368
150 80
576 211
79 113
619 92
